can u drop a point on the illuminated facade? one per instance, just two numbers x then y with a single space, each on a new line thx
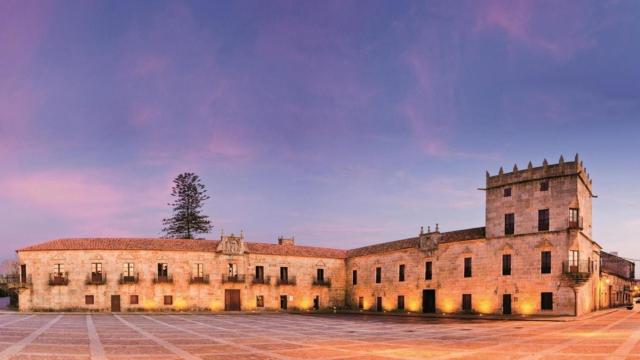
535 255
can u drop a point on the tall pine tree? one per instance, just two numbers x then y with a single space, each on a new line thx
187 219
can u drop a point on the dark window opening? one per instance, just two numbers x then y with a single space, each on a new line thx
509 224
546 301
361 303
320 275
163 270
284 273
428 270
88 299
400 302
507 192
545 262
543 220
133 300
168 300
544 185
260 301
401 273
260 273
467 267
378 275
354 277
283 302
506 264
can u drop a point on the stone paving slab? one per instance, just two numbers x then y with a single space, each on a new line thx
613 335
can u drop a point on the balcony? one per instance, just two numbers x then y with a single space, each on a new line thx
128 279
163 279
233 278
200 279
578 271
96 279
264 280
291 280
15 281
575 224
59 279
321 282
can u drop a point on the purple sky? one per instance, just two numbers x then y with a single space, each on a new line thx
342 123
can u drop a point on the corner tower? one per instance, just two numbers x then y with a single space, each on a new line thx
551 197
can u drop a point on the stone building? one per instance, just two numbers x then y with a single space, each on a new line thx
535 255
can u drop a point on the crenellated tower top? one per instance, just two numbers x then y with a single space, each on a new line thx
546 171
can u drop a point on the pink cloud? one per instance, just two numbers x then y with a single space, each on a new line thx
557 28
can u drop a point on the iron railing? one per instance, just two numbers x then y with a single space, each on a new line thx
59 279
96 278
163 279
261 280
321 282
129 279
290 280
240 278
575 223
199 279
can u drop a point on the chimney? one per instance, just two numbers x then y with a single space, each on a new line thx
286 241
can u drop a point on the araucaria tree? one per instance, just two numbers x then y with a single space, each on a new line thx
187 220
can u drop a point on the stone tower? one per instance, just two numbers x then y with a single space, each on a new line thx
551 197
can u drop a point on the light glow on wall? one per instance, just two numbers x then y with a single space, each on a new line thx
180 304
485 306
448 305
149 304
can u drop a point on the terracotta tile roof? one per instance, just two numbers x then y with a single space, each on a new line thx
414 242
180 245
461 235
385 247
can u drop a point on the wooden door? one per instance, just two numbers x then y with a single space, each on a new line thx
379 304
232 300
115 303
506 304
429 301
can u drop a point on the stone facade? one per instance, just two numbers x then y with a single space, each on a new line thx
535 255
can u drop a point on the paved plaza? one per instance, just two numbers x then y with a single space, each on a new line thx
614 335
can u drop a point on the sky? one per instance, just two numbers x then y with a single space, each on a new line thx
342 123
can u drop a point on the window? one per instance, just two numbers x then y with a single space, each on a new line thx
233 270
543 220
509 223
378 275
428 270
544 185
284 273
361 303
320 275
96 268
133 299
260 301
574 218
401 273
283 302
168 300
467 267
400 302
546 301
574 259
354 277
506 264
545 262
88 300
198 270
507 192
58 269
466 302
260 273
163 270
23 273
128 269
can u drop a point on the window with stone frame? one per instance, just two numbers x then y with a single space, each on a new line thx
320 275
378 275
260 301
467 267
233 269
543 220
260 273
401 273
545 262
88 299
354 277
544 185
506 264
168 300
507 192
428 270
509 223
133 299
